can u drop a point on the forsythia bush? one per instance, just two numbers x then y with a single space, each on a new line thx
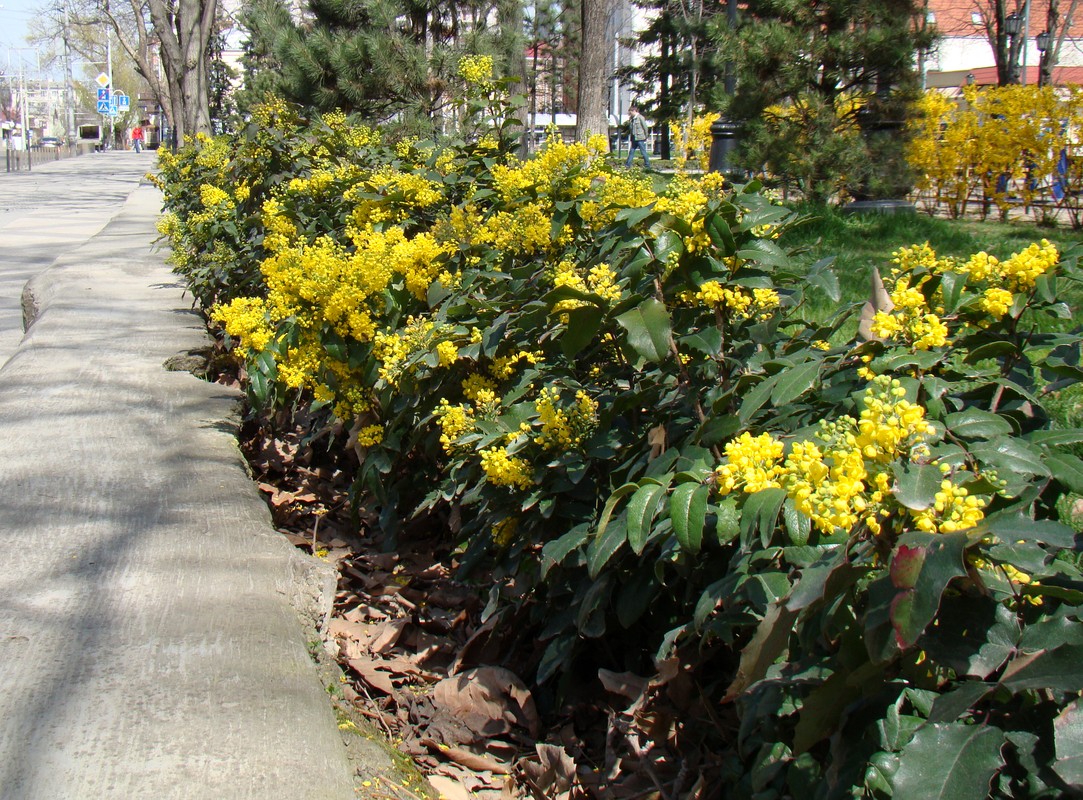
999 144
850 545
693 144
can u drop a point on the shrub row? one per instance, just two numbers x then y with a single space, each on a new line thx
612 395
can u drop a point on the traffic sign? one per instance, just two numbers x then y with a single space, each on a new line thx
122 101
104 107
103 80
103 94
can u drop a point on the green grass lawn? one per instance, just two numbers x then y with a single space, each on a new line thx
859 242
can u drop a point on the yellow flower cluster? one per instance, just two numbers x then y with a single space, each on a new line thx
911 321
477 71
213 198
954 509
600 279
741 302
455 421
503 532
564 429
503 367
752 464
846 477
695 142
396 349
370 436
245 319
502 469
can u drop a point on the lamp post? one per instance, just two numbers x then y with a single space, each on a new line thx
725 132
1043 40
1013 24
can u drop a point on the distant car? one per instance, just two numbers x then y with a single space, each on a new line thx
51 141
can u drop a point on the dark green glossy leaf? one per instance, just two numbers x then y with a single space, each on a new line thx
1056 669
794 382
1015 528
918 485
996 349
1056 438
951 706
603 547
1068 735
768 642
729 521
648 329
759 395
688 511
946 761
921 568
798 526
642 509
977 424
583 325
1066 469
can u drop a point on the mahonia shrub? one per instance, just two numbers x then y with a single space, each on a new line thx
997 147
612 397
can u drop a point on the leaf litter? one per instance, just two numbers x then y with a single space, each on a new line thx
449 685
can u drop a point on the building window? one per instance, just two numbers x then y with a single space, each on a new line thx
975 17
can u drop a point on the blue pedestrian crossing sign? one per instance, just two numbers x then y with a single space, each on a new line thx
105 100
104 107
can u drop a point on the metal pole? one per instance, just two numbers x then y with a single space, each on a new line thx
69 93
1026 39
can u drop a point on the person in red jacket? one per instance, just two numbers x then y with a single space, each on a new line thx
137 138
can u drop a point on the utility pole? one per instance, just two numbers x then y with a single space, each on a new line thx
69 81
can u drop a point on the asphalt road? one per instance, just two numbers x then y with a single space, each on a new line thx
150 643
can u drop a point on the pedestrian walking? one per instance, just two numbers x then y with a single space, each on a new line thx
137 137
637 126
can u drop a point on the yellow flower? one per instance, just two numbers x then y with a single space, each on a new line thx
502 469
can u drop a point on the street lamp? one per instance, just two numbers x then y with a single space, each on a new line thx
1013 24
725 132
1043 40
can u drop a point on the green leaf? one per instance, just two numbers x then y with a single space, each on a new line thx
794 382
977 424
1068 735
556 656
554 552
602 548
583 325
687 511
611 504
721 235
1056 669
1056 438
951 286
1016 528
768 642
1011 455
648 329
766 252
1067 470
798 526
918 485
921 568
949 762
729 521
990 350
755 399
642 509
949 707
760 512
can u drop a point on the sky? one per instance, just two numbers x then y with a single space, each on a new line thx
14 15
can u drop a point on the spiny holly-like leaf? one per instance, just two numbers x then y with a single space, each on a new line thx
795 382
946 761
977 424
1056 669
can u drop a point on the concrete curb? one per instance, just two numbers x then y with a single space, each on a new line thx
147 625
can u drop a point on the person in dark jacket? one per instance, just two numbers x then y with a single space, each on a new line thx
637 126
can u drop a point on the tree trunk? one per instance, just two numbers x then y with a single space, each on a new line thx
593 71
184 29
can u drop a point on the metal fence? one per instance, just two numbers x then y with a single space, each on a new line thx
20 160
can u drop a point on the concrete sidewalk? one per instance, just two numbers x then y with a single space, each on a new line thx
149 643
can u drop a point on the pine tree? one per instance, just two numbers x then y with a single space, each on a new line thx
810 75
380 59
